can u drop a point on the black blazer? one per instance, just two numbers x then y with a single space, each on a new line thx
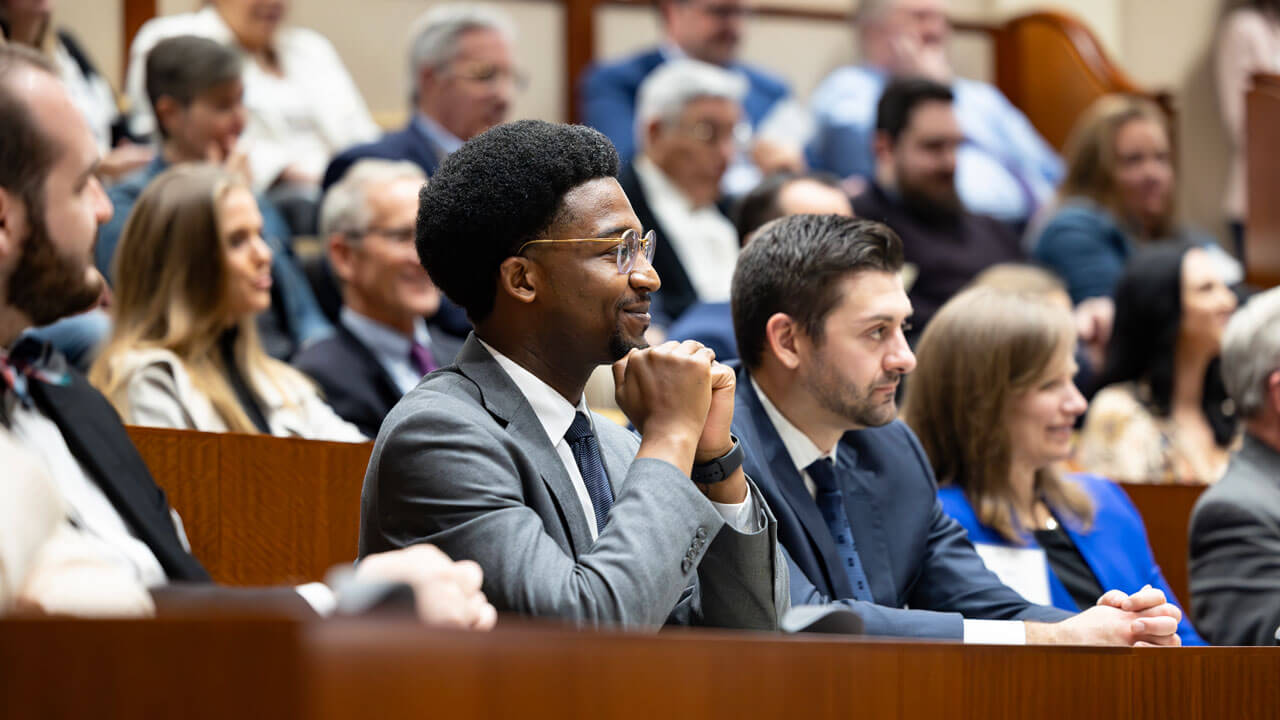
97 438
355 384
677 292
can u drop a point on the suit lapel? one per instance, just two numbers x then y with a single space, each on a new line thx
97 439
388 393
790 484
504 400
429 154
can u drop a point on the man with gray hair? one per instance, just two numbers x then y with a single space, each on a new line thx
688 129
462 82
383 344
1235 527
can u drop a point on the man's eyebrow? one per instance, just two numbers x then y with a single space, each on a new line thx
882 318
92 169
613 232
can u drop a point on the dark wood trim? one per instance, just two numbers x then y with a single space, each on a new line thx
136 12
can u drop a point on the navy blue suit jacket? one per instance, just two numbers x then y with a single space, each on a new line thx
408 144
355 384
710 323
913 553
608 93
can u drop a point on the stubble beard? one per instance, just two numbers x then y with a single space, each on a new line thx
842 399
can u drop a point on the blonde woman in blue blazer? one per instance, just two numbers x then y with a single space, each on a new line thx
993 403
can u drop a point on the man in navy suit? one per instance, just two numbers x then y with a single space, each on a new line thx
710 31
383 345
463 79
819 310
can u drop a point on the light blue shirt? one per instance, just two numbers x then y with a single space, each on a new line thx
446 141
389 346
1004 169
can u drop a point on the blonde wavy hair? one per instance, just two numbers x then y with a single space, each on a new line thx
982 350
171 292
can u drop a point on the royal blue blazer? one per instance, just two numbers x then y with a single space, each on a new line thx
1115 547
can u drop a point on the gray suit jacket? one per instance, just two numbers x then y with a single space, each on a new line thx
463 462
1235 551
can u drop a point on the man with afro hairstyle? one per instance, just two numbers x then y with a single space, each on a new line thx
497 457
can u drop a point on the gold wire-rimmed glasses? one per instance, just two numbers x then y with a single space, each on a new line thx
630 245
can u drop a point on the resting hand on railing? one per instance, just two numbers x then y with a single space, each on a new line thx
446 593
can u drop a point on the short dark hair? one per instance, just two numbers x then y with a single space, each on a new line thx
761 204
501 189
27 153
185 66
794 265
900 99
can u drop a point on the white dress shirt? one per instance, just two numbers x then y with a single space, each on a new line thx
804 452
390 346
556 415
703 239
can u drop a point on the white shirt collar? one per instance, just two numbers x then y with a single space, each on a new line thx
802 450
552 409
382 340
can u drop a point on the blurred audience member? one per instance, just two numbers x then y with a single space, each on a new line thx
779 195
30 23
303 105
383 345
1092 318
687 127
1118 194
914 192
709 31
195 90
192 274
50 206
1004 168
1163 414
1235 527
993 403
463 82
1248 43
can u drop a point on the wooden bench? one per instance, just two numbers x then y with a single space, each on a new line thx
1262 130
260 510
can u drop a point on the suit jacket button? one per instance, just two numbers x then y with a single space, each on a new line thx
684 566
701 534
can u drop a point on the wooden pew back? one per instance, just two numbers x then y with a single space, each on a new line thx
1166 511
1262 131
260 510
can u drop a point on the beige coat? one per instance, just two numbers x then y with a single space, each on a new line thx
160 394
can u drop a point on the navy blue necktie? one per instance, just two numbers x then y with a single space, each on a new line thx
586 452
831 504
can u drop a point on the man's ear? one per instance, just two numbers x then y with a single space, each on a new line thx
340 257
13 223
652 131
519 278
1272 395
168 111
782 337
882 145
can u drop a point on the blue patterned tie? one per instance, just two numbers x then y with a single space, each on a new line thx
586 452
831 504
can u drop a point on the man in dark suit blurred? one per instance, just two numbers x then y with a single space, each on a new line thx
383 345
1235 527
463 79
820 313
709 31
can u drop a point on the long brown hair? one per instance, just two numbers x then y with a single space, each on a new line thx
983 349
170 283
1090 154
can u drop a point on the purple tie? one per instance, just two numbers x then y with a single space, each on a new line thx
422 358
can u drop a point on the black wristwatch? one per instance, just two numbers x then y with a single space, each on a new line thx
720 468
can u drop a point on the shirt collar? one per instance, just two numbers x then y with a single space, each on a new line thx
383 340
436 133
658 188
801 449
552 409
